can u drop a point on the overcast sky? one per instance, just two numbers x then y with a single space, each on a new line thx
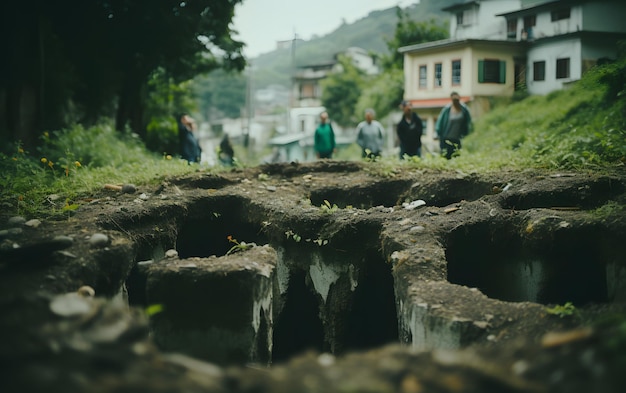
261 23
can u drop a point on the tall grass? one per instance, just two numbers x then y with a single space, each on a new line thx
72 164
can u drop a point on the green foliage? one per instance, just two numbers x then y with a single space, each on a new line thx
411 32
327 208
165 100
383 93
72 164
580 127
100 63
221 93
566 310
341 92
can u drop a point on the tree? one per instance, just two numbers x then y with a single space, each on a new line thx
221 92
410 32
79 60
341 91
386 91
383 94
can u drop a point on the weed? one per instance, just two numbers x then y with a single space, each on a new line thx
566 310
238 246
327 208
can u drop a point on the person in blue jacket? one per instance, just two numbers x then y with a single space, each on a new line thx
189 146
453 124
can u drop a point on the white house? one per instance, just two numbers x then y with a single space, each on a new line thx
566 38
498 47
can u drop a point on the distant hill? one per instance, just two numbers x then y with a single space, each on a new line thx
368 33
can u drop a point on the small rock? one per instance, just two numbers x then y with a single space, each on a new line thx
171 253
34 223
86 291
99 240
144 196
417 228
129 189
70 304
271 188
16 221
413 204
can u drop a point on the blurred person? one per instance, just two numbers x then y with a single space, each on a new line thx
370 135
453 124
226 152
324 138
190 149
409 131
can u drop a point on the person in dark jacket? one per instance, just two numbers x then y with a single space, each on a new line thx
453 124
409 131
226 152
189 146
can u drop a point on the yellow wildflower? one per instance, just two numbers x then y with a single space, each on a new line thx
77 163
44 160
50 164
20 150
168 157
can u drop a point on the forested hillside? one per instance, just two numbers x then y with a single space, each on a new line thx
369 33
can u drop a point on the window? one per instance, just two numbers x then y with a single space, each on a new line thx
562 68
511 29
422 82
456 72
459 18
539 71
437 74
530 21
560 14
491 71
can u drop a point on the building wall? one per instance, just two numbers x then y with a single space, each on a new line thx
482 23
550 52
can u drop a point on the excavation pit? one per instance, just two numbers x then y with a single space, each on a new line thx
315 294
574 265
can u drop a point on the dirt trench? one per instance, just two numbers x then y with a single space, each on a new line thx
317 267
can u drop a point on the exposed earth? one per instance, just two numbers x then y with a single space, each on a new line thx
322 277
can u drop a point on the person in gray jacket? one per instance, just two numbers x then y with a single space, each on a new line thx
370 135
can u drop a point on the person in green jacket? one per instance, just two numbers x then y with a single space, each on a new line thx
324 138
453 124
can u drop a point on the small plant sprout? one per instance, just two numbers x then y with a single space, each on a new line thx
293 235
238 246
566 310
327 208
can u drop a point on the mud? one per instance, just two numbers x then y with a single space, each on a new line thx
330 276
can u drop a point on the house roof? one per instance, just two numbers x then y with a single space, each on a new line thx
452 43
461 5
540 7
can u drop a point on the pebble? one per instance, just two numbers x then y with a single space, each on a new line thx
34 223
129 189
171 253
99 240
417 228
70 304
16 221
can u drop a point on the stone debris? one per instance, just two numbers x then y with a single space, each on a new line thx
99 240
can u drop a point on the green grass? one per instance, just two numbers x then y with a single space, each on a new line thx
580 128
71 165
